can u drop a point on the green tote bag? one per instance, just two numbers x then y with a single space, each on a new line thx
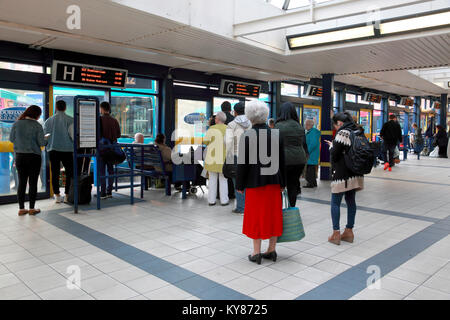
292 223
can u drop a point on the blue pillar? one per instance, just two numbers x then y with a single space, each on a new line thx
417 105
443 110
341 99
327 106
385 107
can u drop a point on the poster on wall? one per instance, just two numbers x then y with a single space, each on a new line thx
87 123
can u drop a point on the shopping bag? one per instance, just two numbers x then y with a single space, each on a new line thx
434 153
292 223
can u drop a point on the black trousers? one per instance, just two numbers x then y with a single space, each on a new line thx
56 157
293 174
389 148
311 175
28 166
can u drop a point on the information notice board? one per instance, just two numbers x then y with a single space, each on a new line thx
87 124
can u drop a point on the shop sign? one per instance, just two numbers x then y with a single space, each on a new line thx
10 115
194 117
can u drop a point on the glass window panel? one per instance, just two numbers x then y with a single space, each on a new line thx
21 99
190 119
291 90
68 94
136 113
350 97
365 121
217 103
21 67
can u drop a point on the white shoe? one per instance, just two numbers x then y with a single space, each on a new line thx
58 198
66 197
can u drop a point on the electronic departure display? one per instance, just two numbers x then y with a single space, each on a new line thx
239 89
88 75
372 97
407 102
314 91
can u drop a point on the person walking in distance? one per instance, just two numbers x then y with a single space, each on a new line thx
391 133
60 148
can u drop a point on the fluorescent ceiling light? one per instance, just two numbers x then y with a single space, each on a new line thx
332 36
423 22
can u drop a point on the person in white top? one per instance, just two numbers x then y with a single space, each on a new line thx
233 134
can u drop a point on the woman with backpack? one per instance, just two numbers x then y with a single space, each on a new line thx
344 183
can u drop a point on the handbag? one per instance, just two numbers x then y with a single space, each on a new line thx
229 169
111 152
293 229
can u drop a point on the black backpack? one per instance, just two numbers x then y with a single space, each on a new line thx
360 157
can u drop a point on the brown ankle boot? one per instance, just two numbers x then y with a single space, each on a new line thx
335 238
347 235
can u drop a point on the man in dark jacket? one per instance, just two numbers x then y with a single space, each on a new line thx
109 129
226 108
392 135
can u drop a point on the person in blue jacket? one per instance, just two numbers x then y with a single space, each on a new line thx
313 142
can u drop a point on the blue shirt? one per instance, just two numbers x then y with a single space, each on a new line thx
27 136
60 126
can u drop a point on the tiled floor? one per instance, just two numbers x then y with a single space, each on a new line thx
168 248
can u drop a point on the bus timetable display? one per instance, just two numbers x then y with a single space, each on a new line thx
314 91
88 75
372 97
239 89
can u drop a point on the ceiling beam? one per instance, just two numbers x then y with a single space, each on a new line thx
323 12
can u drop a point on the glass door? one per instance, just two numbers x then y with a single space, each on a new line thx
191 122
13 103
365 120
312 113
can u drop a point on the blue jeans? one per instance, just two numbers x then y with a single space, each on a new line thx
103 167
336 199
240 198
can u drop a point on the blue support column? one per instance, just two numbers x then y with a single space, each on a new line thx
276 99
443 110
417 105
327 107
341 100
385 106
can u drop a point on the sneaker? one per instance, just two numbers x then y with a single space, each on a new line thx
212 204
58 198
66 199
109 195
224 204
386 165
103 197
33 212
390 168
238 212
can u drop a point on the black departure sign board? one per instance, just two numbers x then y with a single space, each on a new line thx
407 102
239 89
88 75
372 97
314 91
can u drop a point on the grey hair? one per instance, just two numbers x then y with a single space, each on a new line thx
221 116
257 112
310 120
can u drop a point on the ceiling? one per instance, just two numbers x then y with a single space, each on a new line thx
110 29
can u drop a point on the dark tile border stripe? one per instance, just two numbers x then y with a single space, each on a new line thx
410 181
376 210
424 165
186 280
354 280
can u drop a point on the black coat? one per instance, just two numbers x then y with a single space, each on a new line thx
441 139
249 172
229 117
391 132
343 179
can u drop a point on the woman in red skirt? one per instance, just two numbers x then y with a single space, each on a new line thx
262 180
